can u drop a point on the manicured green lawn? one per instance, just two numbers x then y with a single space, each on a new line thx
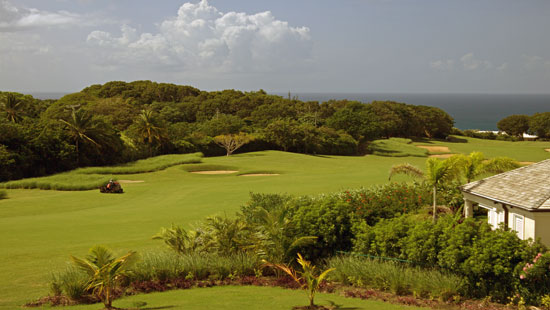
39 229
521 150
242 298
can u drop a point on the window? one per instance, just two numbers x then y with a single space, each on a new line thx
518 225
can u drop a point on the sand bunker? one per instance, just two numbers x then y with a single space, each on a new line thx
442 156
130 181
258 174
547 150
435 149
215 172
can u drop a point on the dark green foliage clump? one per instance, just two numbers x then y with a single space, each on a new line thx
488 260
120 122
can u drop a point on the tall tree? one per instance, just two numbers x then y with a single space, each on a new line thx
83 129
232 142
539 124
438 172
150 130
12 106
514 125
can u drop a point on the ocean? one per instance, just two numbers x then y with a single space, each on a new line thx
469 111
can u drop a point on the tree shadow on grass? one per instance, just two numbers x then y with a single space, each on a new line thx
335 306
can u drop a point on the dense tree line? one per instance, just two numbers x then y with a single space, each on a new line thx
119 121
516 125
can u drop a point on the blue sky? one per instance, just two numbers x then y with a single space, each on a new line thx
481 46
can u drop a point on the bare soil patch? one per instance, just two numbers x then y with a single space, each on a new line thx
441 155
258 174
215 172
130 181
435 149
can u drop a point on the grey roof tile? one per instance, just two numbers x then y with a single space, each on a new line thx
526 187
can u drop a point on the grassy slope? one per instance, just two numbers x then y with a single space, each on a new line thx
521 151
39 229
243 298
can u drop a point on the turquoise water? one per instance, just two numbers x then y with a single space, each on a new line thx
470 111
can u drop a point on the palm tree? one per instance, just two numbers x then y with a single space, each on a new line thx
12 106
271 229
308 278
475 164
105 271
83 129
149 129
438 172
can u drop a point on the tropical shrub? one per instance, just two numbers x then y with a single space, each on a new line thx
308 278
164 266
488 260
396 277
535 279
104 272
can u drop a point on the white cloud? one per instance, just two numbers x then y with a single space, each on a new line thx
14 18
533 62
201 37
470 62
502 67
443 65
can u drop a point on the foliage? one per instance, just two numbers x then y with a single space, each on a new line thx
178 239
514 125
539 124
164 266
307 278
67 181
488 260
3 194
90 132
475 164
396 147
535 279
72 282
13 107
232 142
372 204
149 130
438 173
104 271
399 278
151 164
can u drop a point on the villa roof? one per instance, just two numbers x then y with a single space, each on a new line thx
526 187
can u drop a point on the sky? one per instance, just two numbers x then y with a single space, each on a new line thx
359 46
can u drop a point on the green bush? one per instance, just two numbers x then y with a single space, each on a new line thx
386 201
488 260
395 277
328 218
199 266
71 282
3 194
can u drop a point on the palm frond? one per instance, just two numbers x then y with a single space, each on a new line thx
406 169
